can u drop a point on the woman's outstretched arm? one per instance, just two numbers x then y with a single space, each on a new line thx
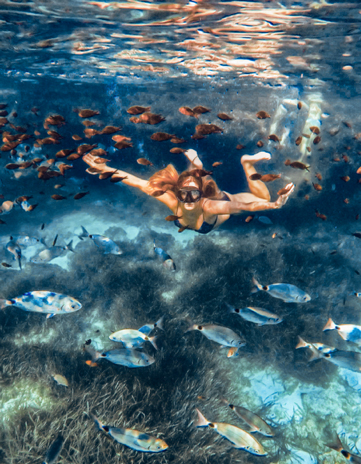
129 179
236 207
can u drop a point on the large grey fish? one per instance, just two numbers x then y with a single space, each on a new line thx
240 438
50 303
338 446
14 248
47 255
256 423
128 357
219 334
319 346
139 441
350 360
257 315
54 451
287 292
132 338
104 243
168 262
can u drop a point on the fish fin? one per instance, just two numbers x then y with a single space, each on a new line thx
42 241
99 425
55 239
257 285
159 323
202 421
301 343
84 233
330 325
231 309
152 341
145 329
5 303
69 246
50 315
315 354
191 327
336 445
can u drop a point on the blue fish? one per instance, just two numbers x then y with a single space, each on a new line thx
168 262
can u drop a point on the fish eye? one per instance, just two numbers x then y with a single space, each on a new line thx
236 310
200 327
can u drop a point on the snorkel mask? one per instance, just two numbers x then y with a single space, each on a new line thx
189 195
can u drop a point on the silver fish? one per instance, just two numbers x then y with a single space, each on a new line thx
128 357
25 240
319 347
132 338
219 334
54 451
338 446
287 292
40 301
168 262
257 315
47 255
139 441
240 438
350 360
256 423
349 332
13 247
104 243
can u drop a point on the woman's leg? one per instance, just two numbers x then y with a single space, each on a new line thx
257 187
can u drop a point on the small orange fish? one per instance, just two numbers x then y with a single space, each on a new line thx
54 120
318 176
345 178
207 129
232 351
181 229
135 110
315 129
177 150
120 138
58 186
317 187
270 177
63 153
240 146
224 117
172 217
197 137
151 118
116 178
89 133
12 166
317 140
260 143
262 115
144 162
296 165
284 190
249 218
122 145
110 130
187 111
64 167
80 195
274 138
37 133
321 216
82 149
200 110
346 200
101 160
106 175
216 163
161 136
87 123
345 158
177 140
58 197
73 156
299 105
98 152
347 124
87 113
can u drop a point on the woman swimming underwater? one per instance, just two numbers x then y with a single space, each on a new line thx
193 196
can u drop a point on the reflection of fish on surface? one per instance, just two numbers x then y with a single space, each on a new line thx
13 247
257 315
104 243
349 332
287 292
54 451
219 334
240 438
50 303
138 441
314 346
47 255
256 423
168 262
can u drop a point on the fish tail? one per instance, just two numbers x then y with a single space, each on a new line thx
99 425
301 343
159 323
330 325
258 286
231 309
69 246
5 303
55 239
84 233
152 341
315 354
336 445
191 327
202 421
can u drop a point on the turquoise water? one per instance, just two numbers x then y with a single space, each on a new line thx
297 61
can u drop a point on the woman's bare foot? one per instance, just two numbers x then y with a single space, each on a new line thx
193 158
282 199
261 156
96 168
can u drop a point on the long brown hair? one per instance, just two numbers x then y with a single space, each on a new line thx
168 179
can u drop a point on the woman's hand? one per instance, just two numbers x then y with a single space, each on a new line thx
282 199
95 168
